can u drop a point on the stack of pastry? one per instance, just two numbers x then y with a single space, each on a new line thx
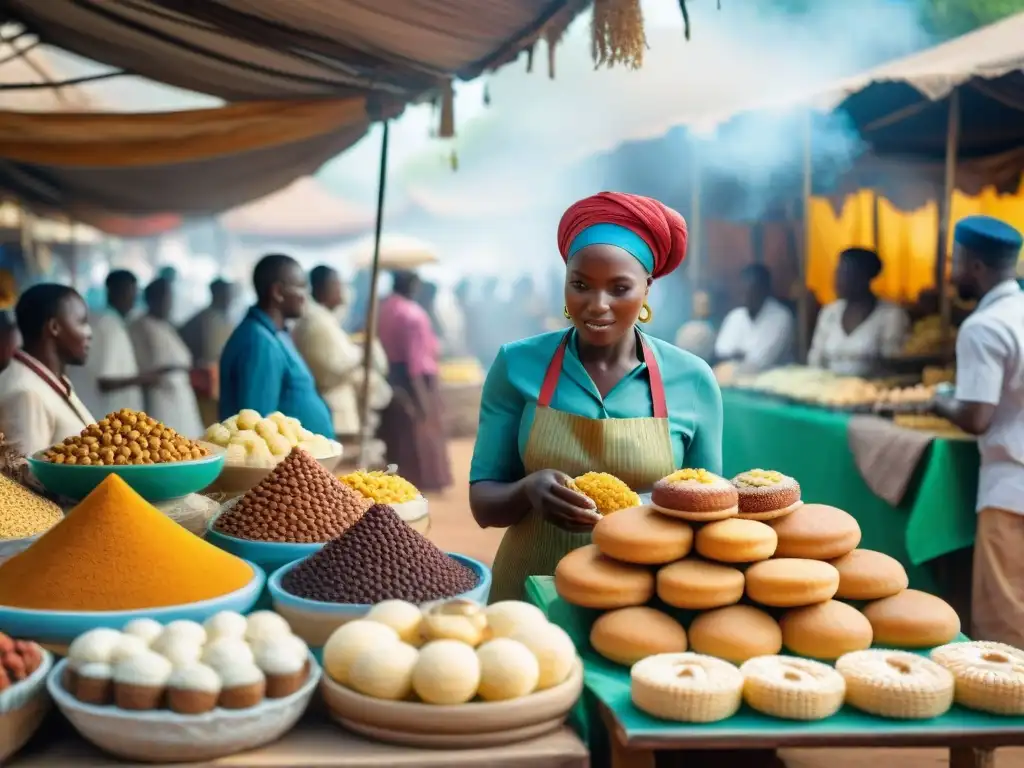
742 569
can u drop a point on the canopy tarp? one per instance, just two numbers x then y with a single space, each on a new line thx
292 49
193 162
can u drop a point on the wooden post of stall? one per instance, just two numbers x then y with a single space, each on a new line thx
698 273
945 219
366 434
803 305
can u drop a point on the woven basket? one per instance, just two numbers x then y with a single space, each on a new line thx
22 709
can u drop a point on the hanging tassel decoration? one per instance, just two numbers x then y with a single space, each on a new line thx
432 130
529 58
686 19
487 94
617 34
447 127
553 36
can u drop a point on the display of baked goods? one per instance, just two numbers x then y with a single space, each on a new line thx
736 541
928 422
735 633
792 689
925 337
816 532
906 397
695 494
297 502
766 494
988 677
825 630
379 558
381 487
686 687
506 651
698 585
896 684
627 635
609 493
587 578
868 575
18 660
122 438
791 582
231 662
912 619
254 441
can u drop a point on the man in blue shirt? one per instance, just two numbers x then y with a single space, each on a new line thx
260 367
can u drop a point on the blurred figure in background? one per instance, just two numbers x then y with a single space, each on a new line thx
260 368
426 297
524 313
38 405
452 322
697 335
335 360
158 347
206 333
411 426
758 334
854 333
110 380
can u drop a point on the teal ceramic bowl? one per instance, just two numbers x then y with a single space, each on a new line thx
315 621
153 482
59 628
268 555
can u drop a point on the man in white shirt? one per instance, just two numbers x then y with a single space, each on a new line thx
110 379
759 334
989 403
38 406
335 360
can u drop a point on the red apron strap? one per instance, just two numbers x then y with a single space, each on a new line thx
657 383
554 372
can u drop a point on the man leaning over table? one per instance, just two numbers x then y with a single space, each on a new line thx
989 403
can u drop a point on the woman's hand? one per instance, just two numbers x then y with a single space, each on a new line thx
549 493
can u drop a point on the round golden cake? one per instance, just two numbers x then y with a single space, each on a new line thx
912 619
695 494
586 578
825 631
765 494
629 634
698 585
736 541
735 633
868 575
790 582
642 535
816 532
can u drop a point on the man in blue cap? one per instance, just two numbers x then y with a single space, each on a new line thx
989 403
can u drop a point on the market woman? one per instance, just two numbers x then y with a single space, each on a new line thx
602 396
858 330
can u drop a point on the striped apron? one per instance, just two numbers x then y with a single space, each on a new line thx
638 451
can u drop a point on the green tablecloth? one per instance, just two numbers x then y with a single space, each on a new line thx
609 684
936 516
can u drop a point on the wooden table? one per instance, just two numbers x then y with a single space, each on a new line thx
317 743
968 748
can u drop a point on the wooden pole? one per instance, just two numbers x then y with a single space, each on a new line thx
945 218
803 305
371 310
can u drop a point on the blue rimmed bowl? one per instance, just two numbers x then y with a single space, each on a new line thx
153 482
268 555
315 621
56 629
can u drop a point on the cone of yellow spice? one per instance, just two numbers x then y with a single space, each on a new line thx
116 552
608 493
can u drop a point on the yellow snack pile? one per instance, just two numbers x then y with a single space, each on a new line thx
23 513
381 487
606 491
698 475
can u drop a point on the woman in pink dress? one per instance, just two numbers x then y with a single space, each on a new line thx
412 424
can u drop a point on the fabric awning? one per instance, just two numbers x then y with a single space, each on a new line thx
193 163
292 49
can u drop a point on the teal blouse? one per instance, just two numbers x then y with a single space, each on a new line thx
513 385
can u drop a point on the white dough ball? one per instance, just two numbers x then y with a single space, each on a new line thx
447 672
384 672
508 670
349 640
555 652
508 617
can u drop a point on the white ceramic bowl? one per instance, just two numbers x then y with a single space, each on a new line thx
23 707
167 737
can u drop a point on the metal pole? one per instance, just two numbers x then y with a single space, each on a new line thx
945 216
803 304
371 310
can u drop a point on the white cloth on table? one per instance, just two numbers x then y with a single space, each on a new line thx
856 354
34 415
990 369
111 356
760 342
171 401
337 366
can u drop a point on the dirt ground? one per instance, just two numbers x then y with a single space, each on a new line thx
453 529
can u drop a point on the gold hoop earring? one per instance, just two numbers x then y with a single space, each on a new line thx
565 311
646 313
